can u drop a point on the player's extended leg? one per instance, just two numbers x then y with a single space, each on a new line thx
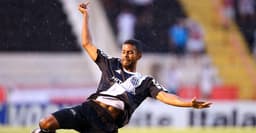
66 118
47 125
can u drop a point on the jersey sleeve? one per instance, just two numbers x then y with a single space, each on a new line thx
102 60
155 88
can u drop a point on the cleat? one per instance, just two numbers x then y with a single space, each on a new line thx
36 130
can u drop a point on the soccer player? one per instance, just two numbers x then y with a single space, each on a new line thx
120 91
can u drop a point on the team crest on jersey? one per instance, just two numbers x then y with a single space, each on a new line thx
134 81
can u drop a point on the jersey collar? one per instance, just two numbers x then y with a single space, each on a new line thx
129 72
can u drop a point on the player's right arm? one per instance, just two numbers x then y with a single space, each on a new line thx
86 37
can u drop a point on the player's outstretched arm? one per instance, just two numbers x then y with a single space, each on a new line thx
176 101
86 37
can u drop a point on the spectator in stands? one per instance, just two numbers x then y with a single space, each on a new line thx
227 12
208 78
125 24
178 36
246 10
195 44
155 69
173 76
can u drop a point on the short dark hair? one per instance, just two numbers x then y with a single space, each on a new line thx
137 43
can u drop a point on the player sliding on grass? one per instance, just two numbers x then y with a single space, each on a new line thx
121 90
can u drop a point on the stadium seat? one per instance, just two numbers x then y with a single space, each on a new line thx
189 92
225 92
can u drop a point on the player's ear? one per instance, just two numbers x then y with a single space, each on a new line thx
139 55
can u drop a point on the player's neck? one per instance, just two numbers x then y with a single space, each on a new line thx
130 69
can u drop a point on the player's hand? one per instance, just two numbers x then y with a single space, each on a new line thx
200 104
83 7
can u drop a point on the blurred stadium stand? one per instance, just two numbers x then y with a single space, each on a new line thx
246 24
225 92
189 92
43 68
153 32
226 47
40 44
35 25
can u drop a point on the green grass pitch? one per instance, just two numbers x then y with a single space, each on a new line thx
146 130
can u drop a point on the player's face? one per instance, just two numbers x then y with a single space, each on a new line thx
129 56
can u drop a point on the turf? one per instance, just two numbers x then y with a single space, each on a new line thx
146 130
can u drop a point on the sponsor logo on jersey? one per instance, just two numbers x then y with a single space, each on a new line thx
116 80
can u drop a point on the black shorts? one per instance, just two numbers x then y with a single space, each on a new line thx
88 117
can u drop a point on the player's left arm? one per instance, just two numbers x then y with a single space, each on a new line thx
174 100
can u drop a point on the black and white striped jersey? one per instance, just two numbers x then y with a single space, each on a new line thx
131 88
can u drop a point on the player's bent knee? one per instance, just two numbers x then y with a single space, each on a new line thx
49 123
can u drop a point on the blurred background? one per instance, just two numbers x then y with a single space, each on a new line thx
202 48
